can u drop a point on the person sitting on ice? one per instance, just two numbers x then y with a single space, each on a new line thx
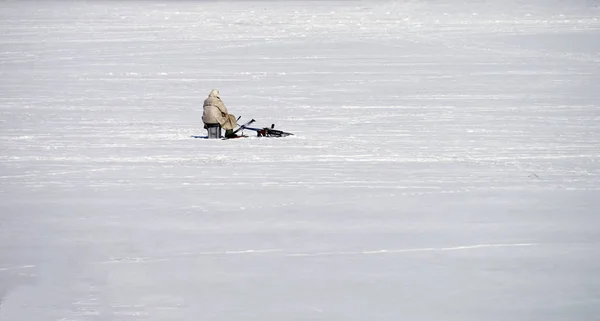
215 112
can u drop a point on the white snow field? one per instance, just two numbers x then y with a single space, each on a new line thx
445 163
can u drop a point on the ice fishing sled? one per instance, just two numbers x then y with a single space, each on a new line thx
260 132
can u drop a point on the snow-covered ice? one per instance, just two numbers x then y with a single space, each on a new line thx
445 163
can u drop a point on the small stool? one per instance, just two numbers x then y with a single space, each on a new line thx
214 131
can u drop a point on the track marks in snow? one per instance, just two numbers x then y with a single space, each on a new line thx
183 255
426 249
10 268
284 253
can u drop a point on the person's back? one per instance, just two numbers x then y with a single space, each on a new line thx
215 112
214 109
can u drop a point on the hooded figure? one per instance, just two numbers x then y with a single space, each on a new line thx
215 112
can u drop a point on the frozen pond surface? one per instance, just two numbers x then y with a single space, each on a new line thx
445 163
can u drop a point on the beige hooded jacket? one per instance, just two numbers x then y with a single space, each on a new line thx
215 112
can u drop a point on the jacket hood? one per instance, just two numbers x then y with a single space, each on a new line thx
214 93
